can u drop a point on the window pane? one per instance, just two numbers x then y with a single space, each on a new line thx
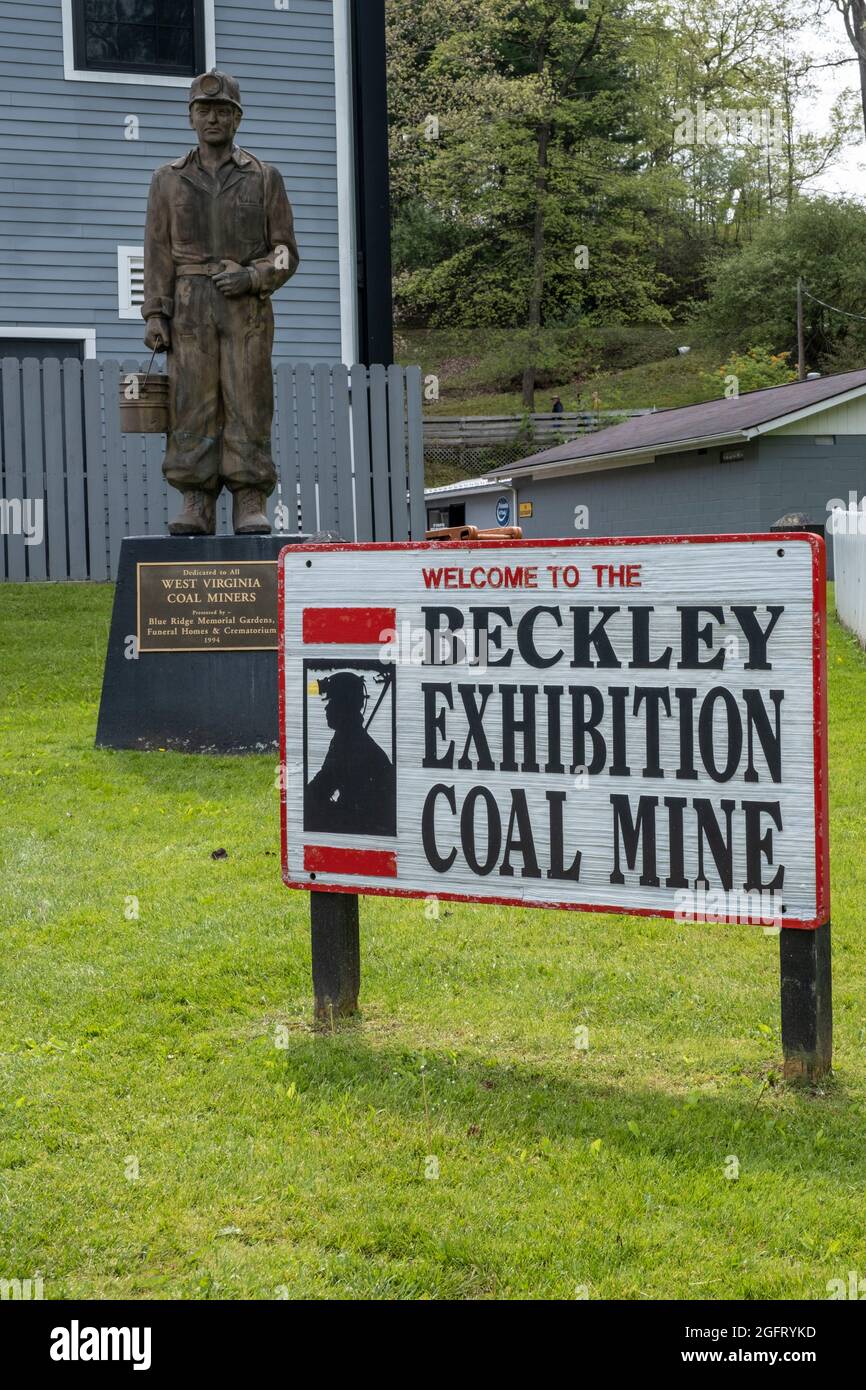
100 9
128 11
136 43
101 44
175 12
175 47
148 35
136 11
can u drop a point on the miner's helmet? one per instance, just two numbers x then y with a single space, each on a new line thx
344 688
215 86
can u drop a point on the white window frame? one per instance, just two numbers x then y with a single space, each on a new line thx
125 307
138 79
87 336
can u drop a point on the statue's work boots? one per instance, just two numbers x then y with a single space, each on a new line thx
198 517
248 513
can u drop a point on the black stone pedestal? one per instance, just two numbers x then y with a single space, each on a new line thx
198 701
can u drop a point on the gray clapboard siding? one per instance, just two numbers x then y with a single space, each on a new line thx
347 443
72 188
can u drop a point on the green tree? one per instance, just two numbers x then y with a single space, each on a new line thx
556 165
853 14
753 371
533 171
753 298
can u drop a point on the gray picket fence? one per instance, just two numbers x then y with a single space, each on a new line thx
348 445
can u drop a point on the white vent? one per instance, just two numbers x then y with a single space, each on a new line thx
130 281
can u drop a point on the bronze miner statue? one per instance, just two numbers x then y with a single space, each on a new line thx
219 241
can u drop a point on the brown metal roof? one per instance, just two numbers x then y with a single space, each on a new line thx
690 424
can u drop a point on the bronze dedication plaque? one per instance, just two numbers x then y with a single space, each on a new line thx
207 605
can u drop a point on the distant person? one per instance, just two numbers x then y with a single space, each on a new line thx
557 409
355 790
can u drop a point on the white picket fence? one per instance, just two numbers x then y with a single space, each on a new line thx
849 550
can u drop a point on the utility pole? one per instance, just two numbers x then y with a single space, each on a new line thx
801 340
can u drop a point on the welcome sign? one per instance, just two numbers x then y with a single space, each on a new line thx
632 725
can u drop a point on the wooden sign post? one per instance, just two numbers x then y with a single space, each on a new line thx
807 1003
336 943
630 725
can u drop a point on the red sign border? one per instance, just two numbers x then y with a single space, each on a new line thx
819 711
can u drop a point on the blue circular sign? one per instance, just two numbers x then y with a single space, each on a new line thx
503 511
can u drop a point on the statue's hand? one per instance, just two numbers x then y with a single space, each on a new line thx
233 280
157 335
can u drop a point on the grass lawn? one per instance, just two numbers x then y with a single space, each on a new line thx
155 1142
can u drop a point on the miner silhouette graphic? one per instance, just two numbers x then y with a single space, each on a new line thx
355 790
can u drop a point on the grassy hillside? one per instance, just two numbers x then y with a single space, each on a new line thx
628 369
171 1126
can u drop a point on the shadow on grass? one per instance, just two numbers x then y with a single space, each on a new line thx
526 1105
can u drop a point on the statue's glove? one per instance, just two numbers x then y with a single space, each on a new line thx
157 334
233 280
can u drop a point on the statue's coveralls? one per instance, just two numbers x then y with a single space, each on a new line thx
221 400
